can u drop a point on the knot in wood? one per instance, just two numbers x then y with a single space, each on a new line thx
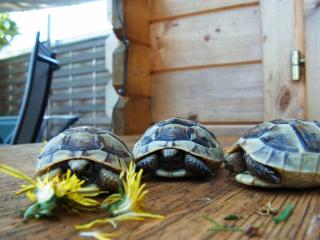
284 98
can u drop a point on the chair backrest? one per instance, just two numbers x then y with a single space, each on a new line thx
42 63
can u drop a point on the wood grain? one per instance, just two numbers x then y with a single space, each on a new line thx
223 94
282 32
130 19
115 17
183 202
164 9
138 72
131 67
131 115
225 37
312 55
115 58
133 74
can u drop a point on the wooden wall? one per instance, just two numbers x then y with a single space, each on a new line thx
312 55
206 63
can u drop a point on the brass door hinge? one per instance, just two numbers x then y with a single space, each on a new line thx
296 63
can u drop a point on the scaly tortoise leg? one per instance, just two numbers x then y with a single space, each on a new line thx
197 167
265 173
149 164
108 180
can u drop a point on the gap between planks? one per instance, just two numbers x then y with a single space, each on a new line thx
219 9
258 61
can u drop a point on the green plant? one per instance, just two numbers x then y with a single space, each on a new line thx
8 29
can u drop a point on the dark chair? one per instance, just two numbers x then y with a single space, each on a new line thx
31 119
41 66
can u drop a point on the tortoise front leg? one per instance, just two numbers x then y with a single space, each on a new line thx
197 167
149 163
235 162
261 171
108 180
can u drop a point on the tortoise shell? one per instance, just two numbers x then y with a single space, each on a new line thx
87 143
183 134
291 147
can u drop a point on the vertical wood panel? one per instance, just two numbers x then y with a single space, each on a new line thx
282 27
312 35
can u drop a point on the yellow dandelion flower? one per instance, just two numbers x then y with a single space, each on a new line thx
126 205
45 193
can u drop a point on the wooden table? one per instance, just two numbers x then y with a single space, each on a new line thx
183 203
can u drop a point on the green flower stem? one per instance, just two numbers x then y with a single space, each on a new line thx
39 210
285 214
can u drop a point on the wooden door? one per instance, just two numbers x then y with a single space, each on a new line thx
288 25
312 55
227 63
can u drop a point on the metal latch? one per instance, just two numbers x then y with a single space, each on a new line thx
296 62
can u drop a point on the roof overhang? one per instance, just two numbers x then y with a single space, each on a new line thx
23 5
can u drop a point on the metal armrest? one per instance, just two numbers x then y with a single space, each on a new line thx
67 119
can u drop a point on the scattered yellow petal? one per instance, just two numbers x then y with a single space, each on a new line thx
94 222
98 235
15 173
128 204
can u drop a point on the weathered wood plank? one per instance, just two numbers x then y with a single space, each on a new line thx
282 33
93 42
228 134
130 19
164 9
312 38
78 108
78 95
209 94
131 115
216 38
82 56
138 72
80 81
80 70
183 203
15 69
129 66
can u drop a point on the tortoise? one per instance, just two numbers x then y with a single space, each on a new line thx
178 147
278 153
94 154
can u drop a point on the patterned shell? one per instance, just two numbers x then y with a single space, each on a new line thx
292 147
182 134
88 143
